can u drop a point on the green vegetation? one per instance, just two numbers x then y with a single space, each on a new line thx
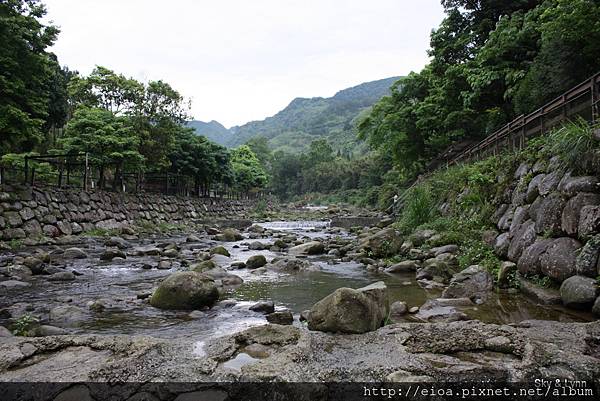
306 120
490 62
125 126
458 202
23 325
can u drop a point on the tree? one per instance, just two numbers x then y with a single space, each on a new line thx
247 170
26 71
105 137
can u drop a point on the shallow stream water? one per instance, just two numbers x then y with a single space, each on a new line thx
119 283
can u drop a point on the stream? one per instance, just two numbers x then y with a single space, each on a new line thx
119 283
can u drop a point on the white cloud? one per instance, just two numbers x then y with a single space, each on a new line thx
242 60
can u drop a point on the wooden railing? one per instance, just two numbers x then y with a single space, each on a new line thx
582 100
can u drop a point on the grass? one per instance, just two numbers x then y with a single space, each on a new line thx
15 243
23 325
100 232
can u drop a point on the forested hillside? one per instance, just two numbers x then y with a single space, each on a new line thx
490 62
307 119
212 130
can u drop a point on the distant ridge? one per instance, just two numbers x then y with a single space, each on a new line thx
305 120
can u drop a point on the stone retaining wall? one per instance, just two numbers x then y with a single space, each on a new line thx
27 212
547 219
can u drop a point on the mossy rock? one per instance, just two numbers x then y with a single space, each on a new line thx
203 266
185 291
229 235
220 250
256 261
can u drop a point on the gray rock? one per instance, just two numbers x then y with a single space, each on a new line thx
256 261
474 282
596 307
220 250
263 307
572 211
558 262
47 330
386 242
549 215
62 276
397 310
444 249
4 332
229 235
579 292
74 253
586 263
309 248
434 312
14 284
64 227
36 265
258 246
501 245
523 237
419 237
292 265
117 242
529 263
351 311
403 267
589 221
170 253
521 215
13 219
110 254
533 189
544 296
549 182
281 317
32 228
185 290
50 231
67 315
570 186
506 269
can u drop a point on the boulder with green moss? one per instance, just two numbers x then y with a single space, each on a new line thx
186 291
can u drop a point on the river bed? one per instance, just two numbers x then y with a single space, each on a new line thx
119 283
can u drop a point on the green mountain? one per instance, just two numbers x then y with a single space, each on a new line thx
213 130
308 119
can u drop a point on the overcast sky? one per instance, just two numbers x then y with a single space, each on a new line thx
243 60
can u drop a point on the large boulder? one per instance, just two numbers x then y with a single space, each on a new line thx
474 282
186 291
292 265
386 242
572 211
501 245
589 221
403 267
579 292
549 215
522 238
229 235
308 248
586 263
74 253
256 261
351 311
558 262
529 263
571 186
